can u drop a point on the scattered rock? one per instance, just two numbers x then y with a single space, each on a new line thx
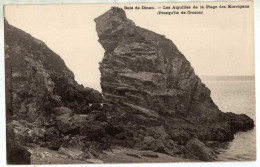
61 110
95 161
133 155
72 150
200 150
67 127
95 130
150 155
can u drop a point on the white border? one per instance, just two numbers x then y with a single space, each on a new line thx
202 164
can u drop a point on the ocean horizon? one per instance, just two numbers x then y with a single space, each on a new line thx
227 78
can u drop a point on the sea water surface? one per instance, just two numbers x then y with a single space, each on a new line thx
237 96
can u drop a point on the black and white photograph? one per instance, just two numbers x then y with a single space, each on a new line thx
130 83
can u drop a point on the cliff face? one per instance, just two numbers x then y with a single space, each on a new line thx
151 89
44 104
37 79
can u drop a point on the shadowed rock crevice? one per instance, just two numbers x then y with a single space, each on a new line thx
151 90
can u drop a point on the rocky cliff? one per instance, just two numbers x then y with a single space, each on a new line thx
152 92
37 79
152 99
44 104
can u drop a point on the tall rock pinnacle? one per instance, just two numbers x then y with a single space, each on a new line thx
147 84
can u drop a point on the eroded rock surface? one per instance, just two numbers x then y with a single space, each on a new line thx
152 99
37 79
45 105
152 92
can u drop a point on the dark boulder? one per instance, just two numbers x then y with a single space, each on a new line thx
95 130
16 151
200 150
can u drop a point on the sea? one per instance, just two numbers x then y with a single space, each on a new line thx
237 95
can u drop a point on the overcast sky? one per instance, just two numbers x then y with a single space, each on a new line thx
217 43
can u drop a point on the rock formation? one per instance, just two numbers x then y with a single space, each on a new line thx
151 92
38 79
152 99
43 101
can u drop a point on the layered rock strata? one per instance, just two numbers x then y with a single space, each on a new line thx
152 92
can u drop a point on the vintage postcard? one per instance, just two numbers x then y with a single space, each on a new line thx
130 83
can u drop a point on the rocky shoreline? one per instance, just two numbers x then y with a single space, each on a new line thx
151 101
41 155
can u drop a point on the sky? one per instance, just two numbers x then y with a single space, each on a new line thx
220 42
